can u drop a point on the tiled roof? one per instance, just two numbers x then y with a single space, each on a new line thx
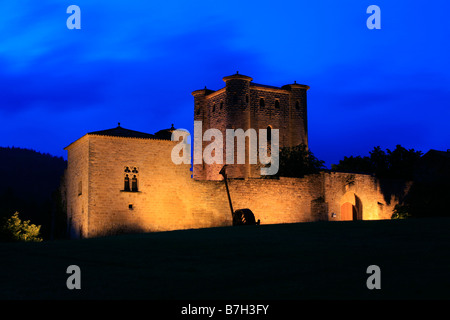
122 132
165 134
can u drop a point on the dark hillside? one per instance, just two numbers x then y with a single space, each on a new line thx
30 180
317 260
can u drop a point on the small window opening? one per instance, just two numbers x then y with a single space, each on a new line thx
277 104
261 103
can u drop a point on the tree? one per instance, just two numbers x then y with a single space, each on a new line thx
379 162
16 230
353 164
298 161
396 164
402 162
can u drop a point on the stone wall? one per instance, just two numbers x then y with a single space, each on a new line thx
169 199
76 176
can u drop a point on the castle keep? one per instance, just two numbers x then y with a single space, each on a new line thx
120 180
242 104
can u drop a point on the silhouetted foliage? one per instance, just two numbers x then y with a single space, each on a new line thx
396 164
425 199
298 161
31 182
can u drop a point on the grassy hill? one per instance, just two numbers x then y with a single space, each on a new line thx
321 260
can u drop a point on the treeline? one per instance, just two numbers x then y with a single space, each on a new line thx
399 163
30 183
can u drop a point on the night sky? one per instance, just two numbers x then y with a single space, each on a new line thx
137 62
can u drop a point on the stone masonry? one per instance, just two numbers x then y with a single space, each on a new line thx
164 196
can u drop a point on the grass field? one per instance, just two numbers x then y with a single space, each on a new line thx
321 260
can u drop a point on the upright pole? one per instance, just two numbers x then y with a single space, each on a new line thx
224 174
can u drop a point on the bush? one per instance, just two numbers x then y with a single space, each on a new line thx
16 230
401 212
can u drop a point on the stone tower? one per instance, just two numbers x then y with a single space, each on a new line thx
243 104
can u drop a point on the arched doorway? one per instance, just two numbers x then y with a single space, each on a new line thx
351 207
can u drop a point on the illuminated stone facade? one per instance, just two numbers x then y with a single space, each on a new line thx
120 180
242 104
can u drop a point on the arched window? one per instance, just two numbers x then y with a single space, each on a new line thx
221 105
126 186
297 105
277 104
134 185
214 107
261 103
130 173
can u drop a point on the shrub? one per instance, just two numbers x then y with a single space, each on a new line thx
401 212
15 229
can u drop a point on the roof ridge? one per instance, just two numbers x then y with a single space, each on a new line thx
122 132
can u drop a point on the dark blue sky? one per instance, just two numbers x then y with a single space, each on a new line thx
137 62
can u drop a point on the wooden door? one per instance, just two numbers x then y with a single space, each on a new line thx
348 212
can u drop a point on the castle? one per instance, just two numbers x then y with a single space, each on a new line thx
120 180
